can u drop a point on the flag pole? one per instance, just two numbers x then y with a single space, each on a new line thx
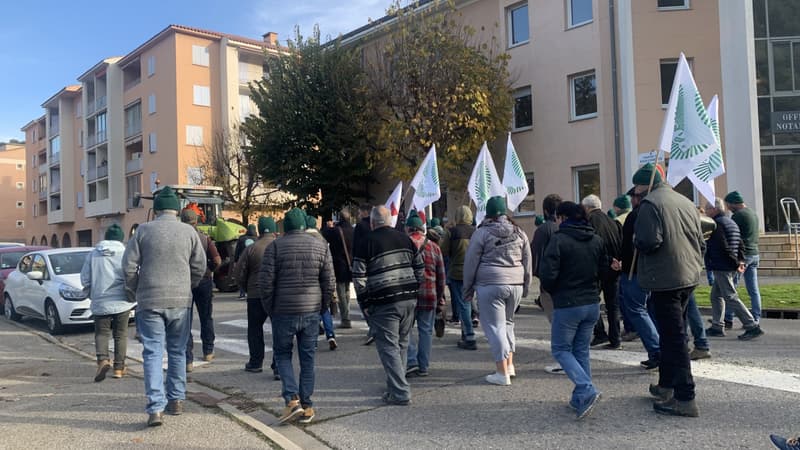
649 188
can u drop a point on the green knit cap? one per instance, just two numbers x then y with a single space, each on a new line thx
114 233
294 220
623 202
495 207
734 198
611 213
539 220
311 222
166 199
642 176
251 229
266 225
435 222
413 220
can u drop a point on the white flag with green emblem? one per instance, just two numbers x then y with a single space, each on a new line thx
484 183
702 176
514 181
686 133
426 182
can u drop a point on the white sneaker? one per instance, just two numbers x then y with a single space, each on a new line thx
498 379
555 369
512 372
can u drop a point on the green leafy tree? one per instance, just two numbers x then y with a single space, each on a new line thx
311 137
436 81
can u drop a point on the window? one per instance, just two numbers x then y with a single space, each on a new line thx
245 108
151 104
523 108
517 24
583 96
134 188
151 65
587 181
194 135
786 66
783 18
133 120
20 185
579 12
20 204
152 144
668 67
200 55
194 175
20 224
529 204
153 181
79 199
673 4
202 95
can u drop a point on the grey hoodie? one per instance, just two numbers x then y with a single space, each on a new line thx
102 275
498 253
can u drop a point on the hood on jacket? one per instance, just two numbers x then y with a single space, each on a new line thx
110 248
500 227
463 215
578 232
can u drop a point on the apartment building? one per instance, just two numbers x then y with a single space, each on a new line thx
592 79
133 122
12 192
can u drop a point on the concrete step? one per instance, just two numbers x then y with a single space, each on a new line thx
779 271
777 255
772 238
785 247
777 263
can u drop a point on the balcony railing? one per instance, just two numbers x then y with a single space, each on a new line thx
133 165
54 129
102 171
133 130
132 206
91 174
95 139
55 188
101 102
55 157
43 194
91 107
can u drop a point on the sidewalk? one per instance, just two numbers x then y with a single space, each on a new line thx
48 399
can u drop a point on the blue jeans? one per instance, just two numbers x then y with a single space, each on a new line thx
159 328
695 320
327 324
569 342
419 354
464 309
305 327
635 307
751 283
627 323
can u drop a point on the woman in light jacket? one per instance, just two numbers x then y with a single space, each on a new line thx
102 277
498 268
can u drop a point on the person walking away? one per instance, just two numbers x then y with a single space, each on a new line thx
162 262
327 315
571 269
340 239
610 231
387 273
747 220
455 249
430 298
362 229
202 296
668 236
102 277
622 207
541 238
497 268
297 283
244 241
702 347
247 273
725 257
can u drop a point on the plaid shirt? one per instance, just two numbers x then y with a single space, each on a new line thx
431 291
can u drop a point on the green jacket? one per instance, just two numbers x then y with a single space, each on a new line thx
670 241
454 245
747 220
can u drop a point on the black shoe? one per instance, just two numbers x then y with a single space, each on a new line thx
454 320
155 419
728 324
412 370
598 340
370 340
253 368
390 399
661 393
751 334
714 332
649 364
673 407
468 345
612 346
174 407
276 376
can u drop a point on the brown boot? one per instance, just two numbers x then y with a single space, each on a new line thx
102 369
119 373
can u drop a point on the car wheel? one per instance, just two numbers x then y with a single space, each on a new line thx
9 311
51 316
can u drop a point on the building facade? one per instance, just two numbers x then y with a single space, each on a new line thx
13 190
133 122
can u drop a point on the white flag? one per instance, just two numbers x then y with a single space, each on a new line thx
686 133
484 183
514 181
426 182
702 176
393 202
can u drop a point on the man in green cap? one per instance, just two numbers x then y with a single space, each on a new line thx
670 246
622 207
162 262
747 220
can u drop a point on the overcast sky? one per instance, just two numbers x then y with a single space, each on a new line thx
46 45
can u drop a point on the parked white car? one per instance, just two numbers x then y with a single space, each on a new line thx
47 285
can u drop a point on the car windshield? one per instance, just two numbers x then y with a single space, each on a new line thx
9 260
67 263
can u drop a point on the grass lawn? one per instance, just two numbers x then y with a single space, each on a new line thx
777 296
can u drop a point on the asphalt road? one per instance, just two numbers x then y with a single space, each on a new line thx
746 391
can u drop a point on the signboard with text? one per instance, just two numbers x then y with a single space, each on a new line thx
786 122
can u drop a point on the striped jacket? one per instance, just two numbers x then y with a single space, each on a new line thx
386 268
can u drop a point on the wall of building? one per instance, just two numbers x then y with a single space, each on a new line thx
14 189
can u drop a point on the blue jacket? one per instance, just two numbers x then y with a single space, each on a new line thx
102 275
725 246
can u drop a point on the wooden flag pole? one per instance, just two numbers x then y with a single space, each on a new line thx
649 188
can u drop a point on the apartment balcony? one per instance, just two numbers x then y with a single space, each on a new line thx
130 204
55 158
92 106
102 172
55 188
133 130
95 139
54 129
43 195
43 169
95 173
133 165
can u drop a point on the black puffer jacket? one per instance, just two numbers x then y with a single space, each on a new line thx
572 265
725 249
296 275
340 238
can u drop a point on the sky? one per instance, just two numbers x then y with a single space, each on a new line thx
46 45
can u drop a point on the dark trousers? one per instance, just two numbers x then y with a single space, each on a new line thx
201 298
674 370
256 316
104 327
609 286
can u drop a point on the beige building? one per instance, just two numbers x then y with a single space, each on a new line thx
12 192
147 117
591 83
